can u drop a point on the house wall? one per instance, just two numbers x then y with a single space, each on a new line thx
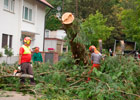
9 24
53 34
9 60
60 34
13 23
37 25
50 44
54 39
40 26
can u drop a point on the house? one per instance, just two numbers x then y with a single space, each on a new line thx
20 18
54 40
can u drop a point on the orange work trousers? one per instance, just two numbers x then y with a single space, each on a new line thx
93 66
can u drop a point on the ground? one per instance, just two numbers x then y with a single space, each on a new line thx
12 95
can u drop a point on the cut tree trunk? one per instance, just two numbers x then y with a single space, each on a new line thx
78 49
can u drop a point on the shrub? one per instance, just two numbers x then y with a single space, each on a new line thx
1 54
8 51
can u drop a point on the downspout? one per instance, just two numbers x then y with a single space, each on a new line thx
45 28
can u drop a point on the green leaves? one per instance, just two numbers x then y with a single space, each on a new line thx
119 77
130 19
53 23
95 28
8 51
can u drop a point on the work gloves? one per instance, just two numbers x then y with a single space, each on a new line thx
19 67
31 64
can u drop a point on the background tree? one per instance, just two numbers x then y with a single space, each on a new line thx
109 8
117 7
52 22
130 19
95 28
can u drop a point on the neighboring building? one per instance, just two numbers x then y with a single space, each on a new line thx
20 18
55 40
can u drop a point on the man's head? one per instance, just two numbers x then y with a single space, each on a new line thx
36 49
27 41
91 48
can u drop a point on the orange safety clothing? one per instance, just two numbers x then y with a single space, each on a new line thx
25 53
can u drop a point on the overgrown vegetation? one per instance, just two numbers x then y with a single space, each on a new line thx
118 79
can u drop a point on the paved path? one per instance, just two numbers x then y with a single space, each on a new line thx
12 95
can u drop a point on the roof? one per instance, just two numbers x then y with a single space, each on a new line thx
46 3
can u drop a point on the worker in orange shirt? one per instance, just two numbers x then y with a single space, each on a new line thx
25 60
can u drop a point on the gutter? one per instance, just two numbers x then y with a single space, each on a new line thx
45 28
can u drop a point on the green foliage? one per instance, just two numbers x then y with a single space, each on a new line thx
130 19
53 23
1 54
109 8
118 79
8 51
95 28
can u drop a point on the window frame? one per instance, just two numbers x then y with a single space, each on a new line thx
6 40
10 5
29 14
47 33
10 41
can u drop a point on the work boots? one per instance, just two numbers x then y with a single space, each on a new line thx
32 81
22 81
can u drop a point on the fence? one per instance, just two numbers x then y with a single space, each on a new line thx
52 57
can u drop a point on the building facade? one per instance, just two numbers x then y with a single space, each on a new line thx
20 18
55 40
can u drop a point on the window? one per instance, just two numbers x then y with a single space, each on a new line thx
10 41
27 13
64 49
9 5
6 40
6 4
47 34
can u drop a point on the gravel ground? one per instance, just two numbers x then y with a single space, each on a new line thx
12 95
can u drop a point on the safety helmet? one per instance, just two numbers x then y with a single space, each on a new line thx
27 40
91 48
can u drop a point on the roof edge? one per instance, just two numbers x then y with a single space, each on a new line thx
45 3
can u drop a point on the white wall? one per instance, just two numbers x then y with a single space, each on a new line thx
13 24
37 26
61 34
9 24
9 60
50 44
40 25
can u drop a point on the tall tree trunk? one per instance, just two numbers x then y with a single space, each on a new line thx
62 6
78 49
76 2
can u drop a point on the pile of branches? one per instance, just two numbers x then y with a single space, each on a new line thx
118 77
